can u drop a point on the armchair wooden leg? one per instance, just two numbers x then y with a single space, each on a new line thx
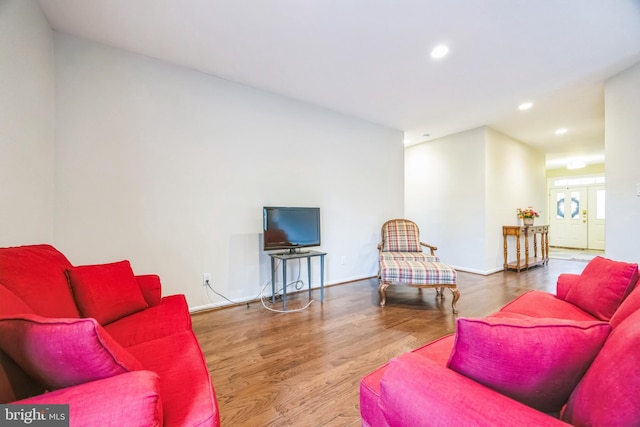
456 297
383 298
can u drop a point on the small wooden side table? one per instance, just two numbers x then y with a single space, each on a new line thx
525 231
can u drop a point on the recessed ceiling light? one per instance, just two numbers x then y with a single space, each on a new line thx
561 131
406 141
525 106
439 51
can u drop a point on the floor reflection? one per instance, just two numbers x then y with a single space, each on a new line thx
574 254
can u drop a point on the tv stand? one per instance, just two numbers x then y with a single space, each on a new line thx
293 251
292 254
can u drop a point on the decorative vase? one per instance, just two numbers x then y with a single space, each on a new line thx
527 221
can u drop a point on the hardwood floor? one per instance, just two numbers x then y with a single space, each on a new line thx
304 368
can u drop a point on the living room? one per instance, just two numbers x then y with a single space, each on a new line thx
111 155
125 151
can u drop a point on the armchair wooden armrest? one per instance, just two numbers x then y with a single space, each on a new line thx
432 248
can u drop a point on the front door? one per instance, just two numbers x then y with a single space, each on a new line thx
568 213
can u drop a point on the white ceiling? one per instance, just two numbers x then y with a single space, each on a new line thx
370 58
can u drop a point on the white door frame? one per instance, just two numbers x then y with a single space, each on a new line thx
586 231
596 232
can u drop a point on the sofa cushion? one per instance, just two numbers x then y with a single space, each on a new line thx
630 305
416 391
602 286
544 304
10 303
36 274
106 292
169 317
437 351
537 361
63 352
131 399
184 377
608 392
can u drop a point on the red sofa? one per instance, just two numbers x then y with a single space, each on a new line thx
542 360
101 340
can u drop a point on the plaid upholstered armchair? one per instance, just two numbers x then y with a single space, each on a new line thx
402 262
401 240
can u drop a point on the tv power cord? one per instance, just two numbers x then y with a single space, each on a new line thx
208 287
299 284
262 298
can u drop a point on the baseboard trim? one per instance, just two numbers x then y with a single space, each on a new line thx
250 300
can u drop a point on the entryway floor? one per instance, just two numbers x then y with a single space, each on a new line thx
584 255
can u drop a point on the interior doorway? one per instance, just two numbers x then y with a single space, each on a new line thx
577 213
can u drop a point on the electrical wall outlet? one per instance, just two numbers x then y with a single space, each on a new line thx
206 279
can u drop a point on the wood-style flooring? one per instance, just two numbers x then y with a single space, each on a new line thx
304 368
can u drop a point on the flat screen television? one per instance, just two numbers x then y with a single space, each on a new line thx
290 228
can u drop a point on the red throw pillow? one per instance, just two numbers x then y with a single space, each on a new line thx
608 393
63 352
602 286
36 274
630 305
537 361
106 292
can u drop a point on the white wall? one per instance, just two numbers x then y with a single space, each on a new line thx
170 168
26 124
445 195
461 190
622 151
515 179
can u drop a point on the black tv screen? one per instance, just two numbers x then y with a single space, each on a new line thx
290 227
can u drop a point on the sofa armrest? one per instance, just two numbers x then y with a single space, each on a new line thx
131 399
565 282
151 288
416 391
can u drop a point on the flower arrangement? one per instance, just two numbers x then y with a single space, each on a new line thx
527 213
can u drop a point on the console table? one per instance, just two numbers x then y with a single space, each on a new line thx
284 257
525 231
